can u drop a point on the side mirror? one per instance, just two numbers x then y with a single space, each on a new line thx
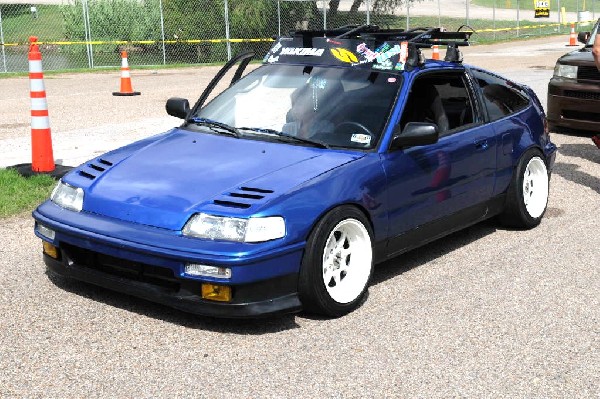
415 133
583 37
178 107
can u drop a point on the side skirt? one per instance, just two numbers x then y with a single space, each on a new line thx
432 231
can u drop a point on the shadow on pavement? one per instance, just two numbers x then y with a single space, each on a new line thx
584 151
430 252
571 172
170 315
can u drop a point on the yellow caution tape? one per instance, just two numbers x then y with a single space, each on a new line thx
123 42
534 26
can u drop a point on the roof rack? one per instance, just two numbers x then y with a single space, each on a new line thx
417 38
425 36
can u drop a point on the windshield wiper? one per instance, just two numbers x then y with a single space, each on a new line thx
215 126
285 136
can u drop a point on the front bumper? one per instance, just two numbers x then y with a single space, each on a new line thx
183 298
573 105
149 263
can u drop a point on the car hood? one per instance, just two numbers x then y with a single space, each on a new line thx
163 182
578 57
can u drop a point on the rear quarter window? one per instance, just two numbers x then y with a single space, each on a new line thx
500 96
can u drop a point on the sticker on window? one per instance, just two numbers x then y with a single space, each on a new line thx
361 138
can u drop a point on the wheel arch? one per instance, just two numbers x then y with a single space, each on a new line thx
356 205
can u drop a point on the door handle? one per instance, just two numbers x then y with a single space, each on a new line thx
481 144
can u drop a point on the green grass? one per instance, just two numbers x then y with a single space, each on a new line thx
47 26
569 5
19 194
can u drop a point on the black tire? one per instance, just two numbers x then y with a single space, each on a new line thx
527 195
346 233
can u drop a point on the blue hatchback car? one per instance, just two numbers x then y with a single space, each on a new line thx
344 149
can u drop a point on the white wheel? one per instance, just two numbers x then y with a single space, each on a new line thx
337 263
535 187
347 261
527 195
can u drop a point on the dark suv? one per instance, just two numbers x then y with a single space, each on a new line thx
574 90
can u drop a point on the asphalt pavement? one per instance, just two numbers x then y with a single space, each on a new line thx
486 312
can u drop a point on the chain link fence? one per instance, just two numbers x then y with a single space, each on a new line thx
91 33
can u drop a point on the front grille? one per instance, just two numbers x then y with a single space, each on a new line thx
131 270
588 73
581 116
584 95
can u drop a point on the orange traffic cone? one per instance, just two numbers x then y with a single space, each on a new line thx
41 140
126 89
572 36
435 55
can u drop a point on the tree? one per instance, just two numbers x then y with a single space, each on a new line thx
381 5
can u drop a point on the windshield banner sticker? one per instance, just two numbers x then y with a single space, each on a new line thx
385 65
363 50
382 56
344 55
387 56
315 52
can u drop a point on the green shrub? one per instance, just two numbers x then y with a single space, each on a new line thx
113 20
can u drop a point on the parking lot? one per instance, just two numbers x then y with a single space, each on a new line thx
486 312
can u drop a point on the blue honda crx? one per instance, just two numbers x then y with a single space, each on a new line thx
344 149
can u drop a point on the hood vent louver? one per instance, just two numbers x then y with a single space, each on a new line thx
256 190
243 198
231 204
94 168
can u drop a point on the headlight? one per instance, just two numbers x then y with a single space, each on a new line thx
212 227
565 71
67 196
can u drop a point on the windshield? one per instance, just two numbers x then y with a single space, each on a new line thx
334 106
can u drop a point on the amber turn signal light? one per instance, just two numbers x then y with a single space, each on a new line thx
50 250
219 293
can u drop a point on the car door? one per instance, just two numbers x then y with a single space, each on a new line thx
434 182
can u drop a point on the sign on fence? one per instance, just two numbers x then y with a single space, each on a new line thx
542 8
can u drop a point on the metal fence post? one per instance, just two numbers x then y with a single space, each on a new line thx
324 15
227 30
558 15
439 14
407 15
162 32
494 18
518 17
87 33
467 11
368 12
2 42
278 18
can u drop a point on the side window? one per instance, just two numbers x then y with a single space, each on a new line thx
442 99
500 97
